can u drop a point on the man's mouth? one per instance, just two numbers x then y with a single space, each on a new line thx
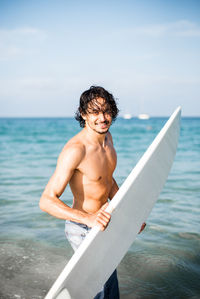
103 124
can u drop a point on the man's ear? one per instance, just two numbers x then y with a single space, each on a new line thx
83 116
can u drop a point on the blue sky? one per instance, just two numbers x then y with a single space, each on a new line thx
145 52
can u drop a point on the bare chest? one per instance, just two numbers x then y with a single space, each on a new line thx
99 164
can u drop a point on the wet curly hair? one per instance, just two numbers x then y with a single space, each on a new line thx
93 93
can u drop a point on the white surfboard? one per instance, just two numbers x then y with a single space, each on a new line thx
101 252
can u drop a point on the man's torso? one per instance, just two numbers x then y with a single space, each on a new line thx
92 180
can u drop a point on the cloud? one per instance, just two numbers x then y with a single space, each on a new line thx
19 41
180 28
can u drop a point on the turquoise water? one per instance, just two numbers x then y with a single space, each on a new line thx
164 262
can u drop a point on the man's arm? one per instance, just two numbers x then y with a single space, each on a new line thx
68 161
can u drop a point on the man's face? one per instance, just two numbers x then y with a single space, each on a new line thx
98 116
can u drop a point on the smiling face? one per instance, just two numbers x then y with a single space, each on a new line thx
98 116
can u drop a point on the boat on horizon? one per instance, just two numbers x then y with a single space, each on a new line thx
143 116
127 116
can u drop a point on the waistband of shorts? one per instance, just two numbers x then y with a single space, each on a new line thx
79 224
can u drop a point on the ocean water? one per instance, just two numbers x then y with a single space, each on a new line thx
164 261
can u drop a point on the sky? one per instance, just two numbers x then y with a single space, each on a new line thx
146 53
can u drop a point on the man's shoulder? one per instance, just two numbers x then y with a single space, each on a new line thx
75 144
73 149
109 137
108 134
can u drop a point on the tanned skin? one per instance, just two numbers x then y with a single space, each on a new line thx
86 163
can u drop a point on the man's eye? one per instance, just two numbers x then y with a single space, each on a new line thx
95 112
108 111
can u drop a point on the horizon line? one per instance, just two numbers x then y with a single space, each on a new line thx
120 116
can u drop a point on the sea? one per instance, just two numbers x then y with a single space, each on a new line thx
163 262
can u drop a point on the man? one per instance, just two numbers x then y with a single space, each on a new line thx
87 163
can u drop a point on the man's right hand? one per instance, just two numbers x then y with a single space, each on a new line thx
100 218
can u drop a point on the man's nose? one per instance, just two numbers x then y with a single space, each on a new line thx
102 116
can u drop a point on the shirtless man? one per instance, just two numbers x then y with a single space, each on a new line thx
87 163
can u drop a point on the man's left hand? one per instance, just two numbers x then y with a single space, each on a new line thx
142 227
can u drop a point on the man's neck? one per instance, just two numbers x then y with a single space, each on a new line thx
94 136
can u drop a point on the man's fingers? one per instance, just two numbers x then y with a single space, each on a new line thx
142 227
103 219
104 206
104 214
